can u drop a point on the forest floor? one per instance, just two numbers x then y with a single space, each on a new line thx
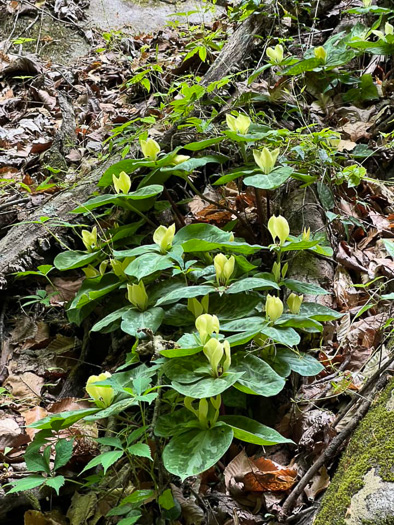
80 86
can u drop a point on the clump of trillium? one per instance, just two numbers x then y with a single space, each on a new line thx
102 395
218 353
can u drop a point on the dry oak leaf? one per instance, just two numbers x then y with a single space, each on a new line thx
269 476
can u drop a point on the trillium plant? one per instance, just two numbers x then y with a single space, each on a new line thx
238 327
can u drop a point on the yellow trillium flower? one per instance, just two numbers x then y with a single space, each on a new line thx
266 159
218 355
273 308
224 267
321 53
90 239
278 228
275 54
102 395
206 325
150 148
137 296
294 303
238 124
122 184
163 237
367 3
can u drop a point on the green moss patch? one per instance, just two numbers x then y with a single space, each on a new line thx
372 446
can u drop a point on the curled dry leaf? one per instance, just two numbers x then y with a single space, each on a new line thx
318 483
269 476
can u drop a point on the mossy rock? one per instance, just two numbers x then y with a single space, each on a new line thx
362 490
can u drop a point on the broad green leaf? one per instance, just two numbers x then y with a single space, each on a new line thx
128 165
242 337
186 369
303 364
196 450
304 288
185 292
63 419
55 483
202 144
168 425
258 377
148 264
192 164
27 484
206 232
138 497
300 322
110 318
138 250
64 452
297 245
92 289
194 246
120 199
272 181
71 259
303 65
35 460
140 449
286 336
113 409
110 442
319 312
251 283
132 518
107 459
134 322
208 386
228 307
252 431
166 500
246 324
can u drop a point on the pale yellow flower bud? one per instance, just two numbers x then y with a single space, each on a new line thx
238 124
278 228
276 271
321 53
150 148
90 239
273 308
266 159
163 237
294 303
178 159
122 184
306 234
388 29
102 395
224 267
119 267
90 272
367 3
206 325
227 356
275 54
137 295
203 412
214 352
